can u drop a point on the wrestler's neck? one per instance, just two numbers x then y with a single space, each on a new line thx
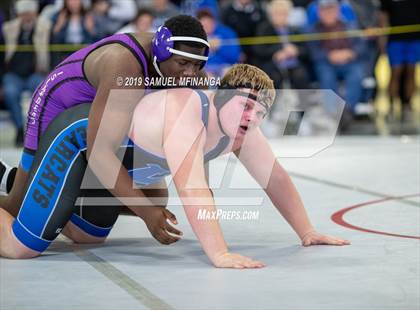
145 40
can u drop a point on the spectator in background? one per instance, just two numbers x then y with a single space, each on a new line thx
142 23
367 13
302 3
54 6
24 70
297 16
71 25
162 10
346 12
243 16
122 11
337 58
104 24
2 67
403 49
191 7
281 60
44 3
51 9
220 57
1 25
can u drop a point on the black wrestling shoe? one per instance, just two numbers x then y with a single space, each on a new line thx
3 169
7 177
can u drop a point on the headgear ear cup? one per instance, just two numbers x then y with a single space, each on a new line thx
163 47
206 53
161 44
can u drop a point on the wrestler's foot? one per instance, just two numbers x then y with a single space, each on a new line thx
10 247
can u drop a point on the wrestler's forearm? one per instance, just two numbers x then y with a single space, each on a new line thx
114 176
198 208
286 199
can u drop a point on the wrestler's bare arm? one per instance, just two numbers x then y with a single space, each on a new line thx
110 118
109 121
184 140
259 159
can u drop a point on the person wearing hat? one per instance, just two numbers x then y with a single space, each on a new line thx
337 59
347 13
24 69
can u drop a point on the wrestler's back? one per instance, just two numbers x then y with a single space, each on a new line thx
148 122
96 58
75 80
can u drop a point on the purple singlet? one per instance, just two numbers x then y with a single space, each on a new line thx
67 86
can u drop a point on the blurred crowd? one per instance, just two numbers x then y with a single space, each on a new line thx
343 64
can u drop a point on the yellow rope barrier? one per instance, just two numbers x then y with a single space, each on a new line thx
304 37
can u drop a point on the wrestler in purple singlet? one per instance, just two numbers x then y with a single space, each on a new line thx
67 86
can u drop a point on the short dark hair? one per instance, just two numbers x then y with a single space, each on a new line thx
143 11
188 26
204 13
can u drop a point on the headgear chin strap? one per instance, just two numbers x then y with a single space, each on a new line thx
163 47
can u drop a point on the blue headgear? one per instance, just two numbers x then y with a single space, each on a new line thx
163 47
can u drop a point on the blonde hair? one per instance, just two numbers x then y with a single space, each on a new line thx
280 4
248 76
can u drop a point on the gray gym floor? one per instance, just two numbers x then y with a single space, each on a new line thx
132 271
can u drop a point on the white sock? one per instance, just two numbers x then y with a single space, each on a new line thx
4 176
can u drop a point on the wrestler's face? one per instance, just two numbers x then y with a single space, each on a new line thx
179 66
241 115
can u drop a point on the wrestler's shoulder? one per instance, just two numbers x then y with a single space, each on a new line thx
182 95
179 97
143 40
116 56
116 53
120 51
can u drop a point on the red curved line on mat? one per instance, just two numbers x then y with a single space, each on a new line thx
337 217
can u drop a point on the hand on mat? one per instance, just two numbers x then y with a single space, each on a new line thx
315 238
156 221
237 261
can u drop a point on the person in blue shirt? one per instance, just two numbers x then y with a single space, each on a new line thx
220 57
337 59
347 14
